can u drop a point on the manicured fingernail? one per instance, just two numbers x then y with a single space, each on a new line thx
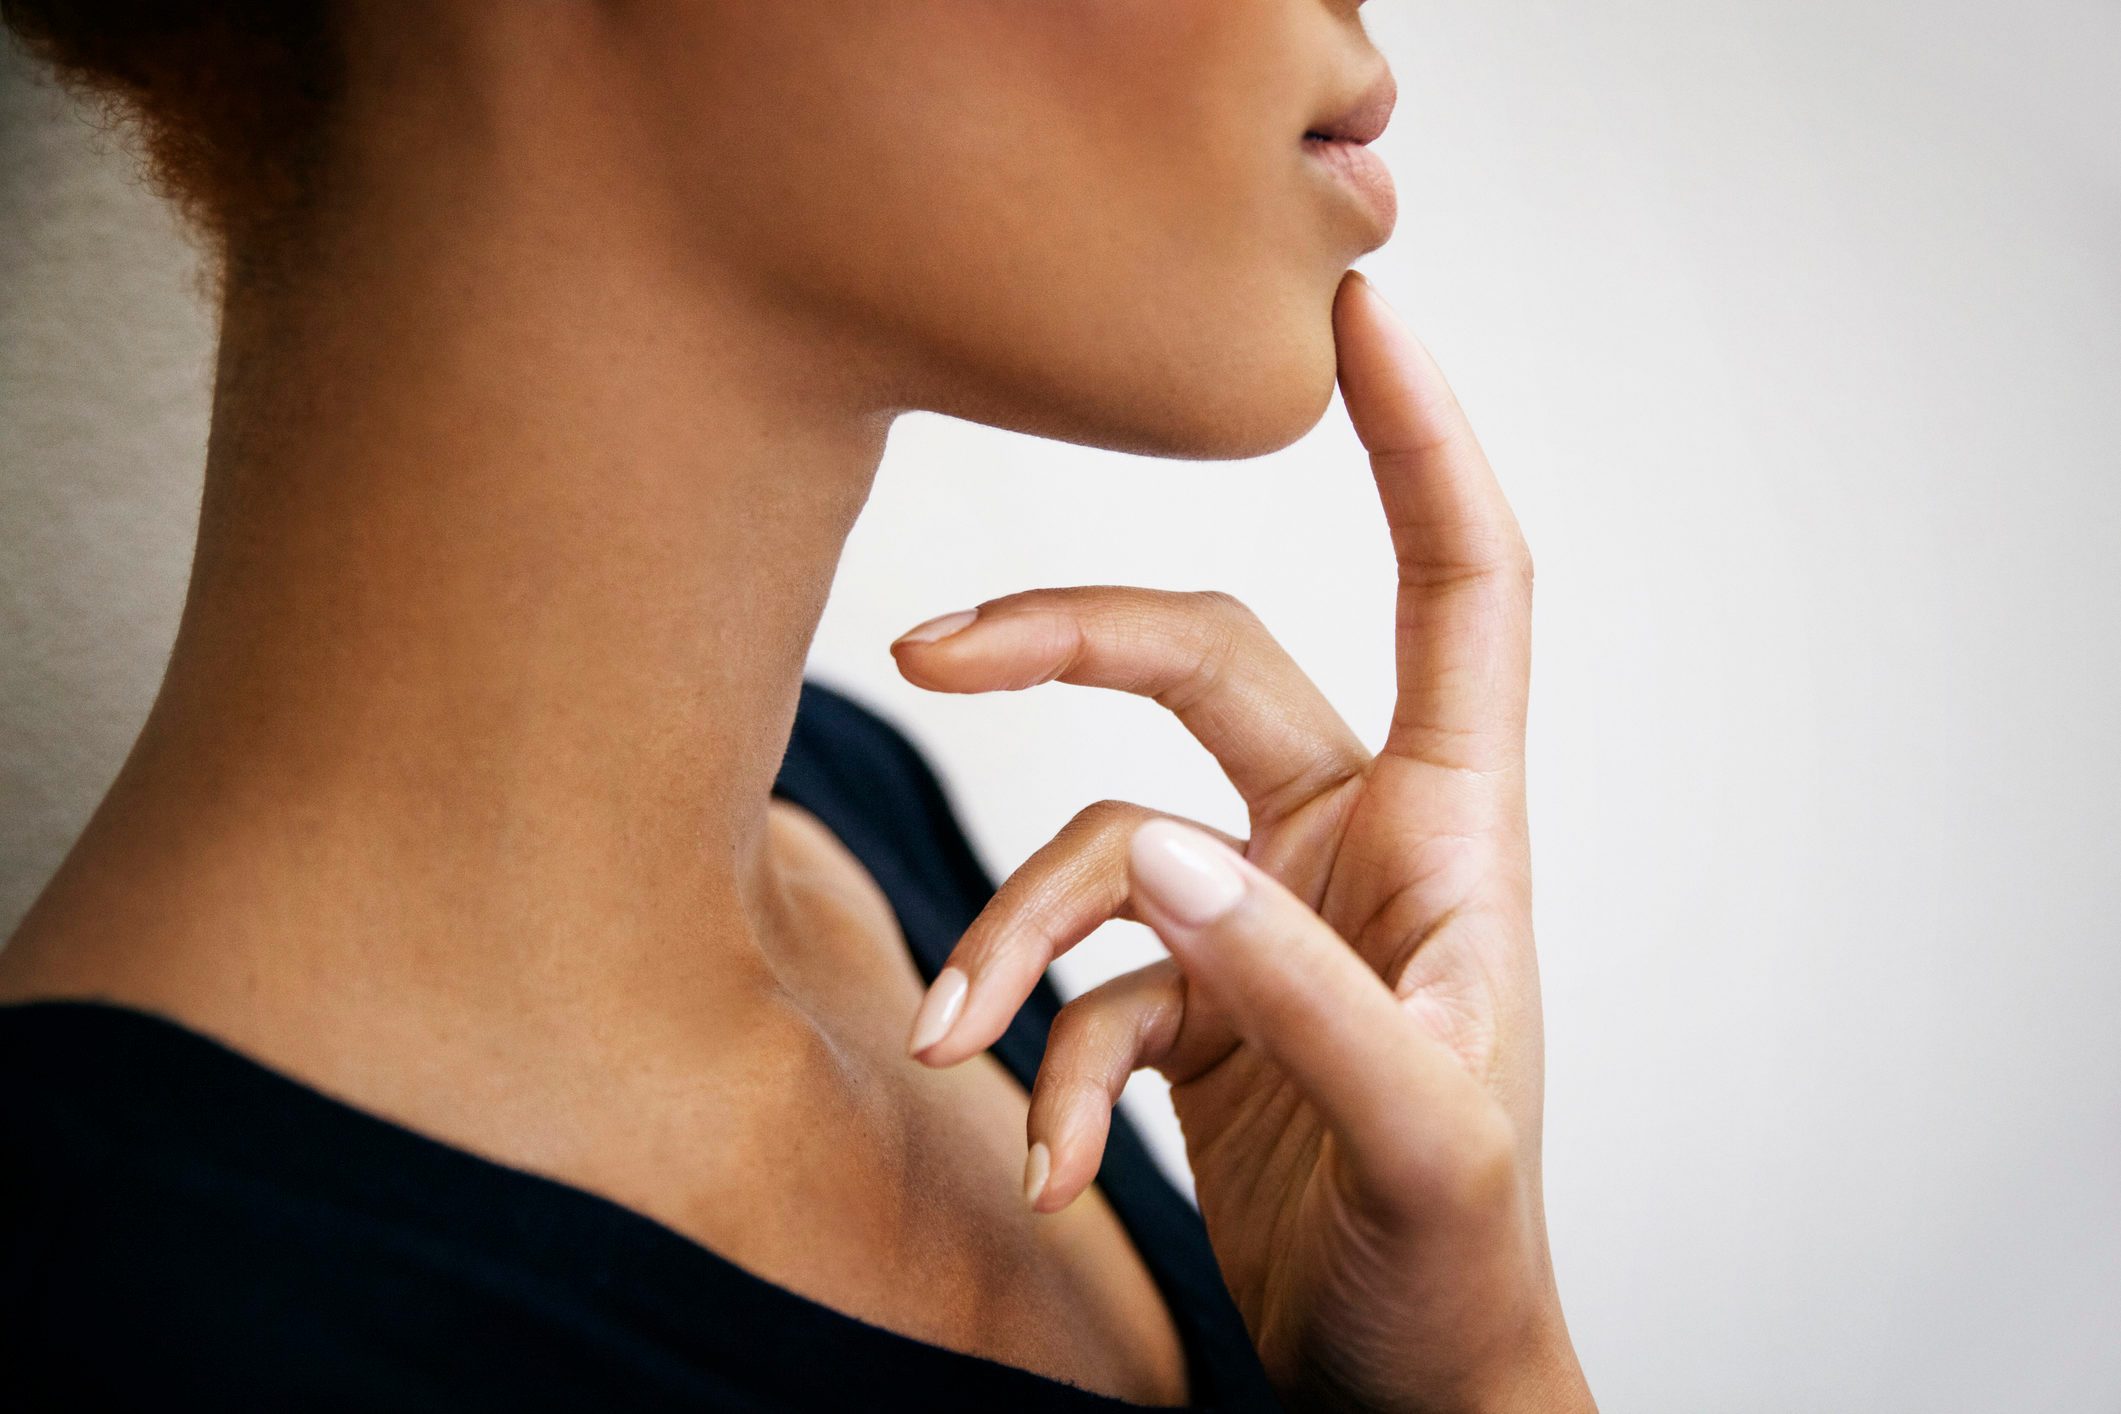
945 999
1038 1167
942 626
1186 873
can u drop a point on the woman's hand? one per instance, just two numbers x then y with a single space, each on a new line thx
1349 1018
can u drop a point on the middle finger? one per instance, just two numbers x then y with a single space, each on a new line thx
1069 887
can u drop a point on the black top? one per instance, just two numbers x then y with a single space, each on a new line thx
181 1225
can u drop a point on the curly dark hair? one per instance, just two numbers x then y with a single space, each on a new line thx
226 99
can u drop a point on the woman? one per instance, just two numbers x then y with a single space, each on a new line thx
488 981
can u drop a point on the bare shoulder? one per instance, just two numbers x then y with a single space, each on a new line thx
848 956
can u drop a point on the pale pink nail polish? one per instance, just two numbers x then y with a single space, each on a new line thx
1038 1167
945 999
1187 874
942 626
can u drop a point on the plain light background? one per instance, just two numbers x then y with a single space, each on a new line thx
1795 332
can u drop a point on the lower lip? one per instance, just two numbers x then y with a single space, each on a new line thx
1365 175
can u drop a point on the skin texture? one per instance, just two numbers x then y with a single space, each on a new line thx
1084 219
534 451
1351 1028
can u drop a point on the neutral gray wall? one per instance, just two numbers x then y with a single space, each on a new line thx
1795 330
104 378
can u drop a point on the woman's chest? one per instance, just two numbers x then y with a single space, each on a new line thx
902 1206
864 1181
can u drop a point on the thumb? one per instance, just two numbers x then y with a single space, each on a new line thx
1397 1100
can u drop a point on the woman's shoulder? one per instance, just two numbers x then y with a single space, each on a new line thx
857 771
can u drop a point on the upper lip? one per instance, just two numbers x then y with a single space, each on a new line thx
1363 120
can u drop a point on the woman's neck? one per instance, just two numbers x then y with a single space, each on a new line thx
510 555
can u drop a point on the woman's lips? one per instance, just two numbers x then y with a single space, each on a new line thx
1340 142
1364 174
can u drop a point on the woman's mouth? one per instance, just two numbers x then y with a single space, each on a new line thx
1341 142
1364 174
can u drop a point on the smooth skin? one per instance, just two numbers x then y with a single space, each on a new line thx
536 443
1350 1015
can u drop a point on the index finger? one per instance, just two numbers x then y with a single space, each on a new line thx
1464 624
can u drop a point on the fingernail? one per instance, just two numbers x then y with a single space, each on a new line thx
1186 873
942 626
945 999
1038 1167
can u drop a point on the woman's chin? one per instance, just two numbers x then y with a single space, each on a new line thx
1241 418
1244 392
1217 409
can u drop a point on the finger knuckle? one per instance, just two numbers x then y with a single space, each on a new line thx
1225 605
1092 1047
1073 1028
1520 560
1218 636
1105 816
